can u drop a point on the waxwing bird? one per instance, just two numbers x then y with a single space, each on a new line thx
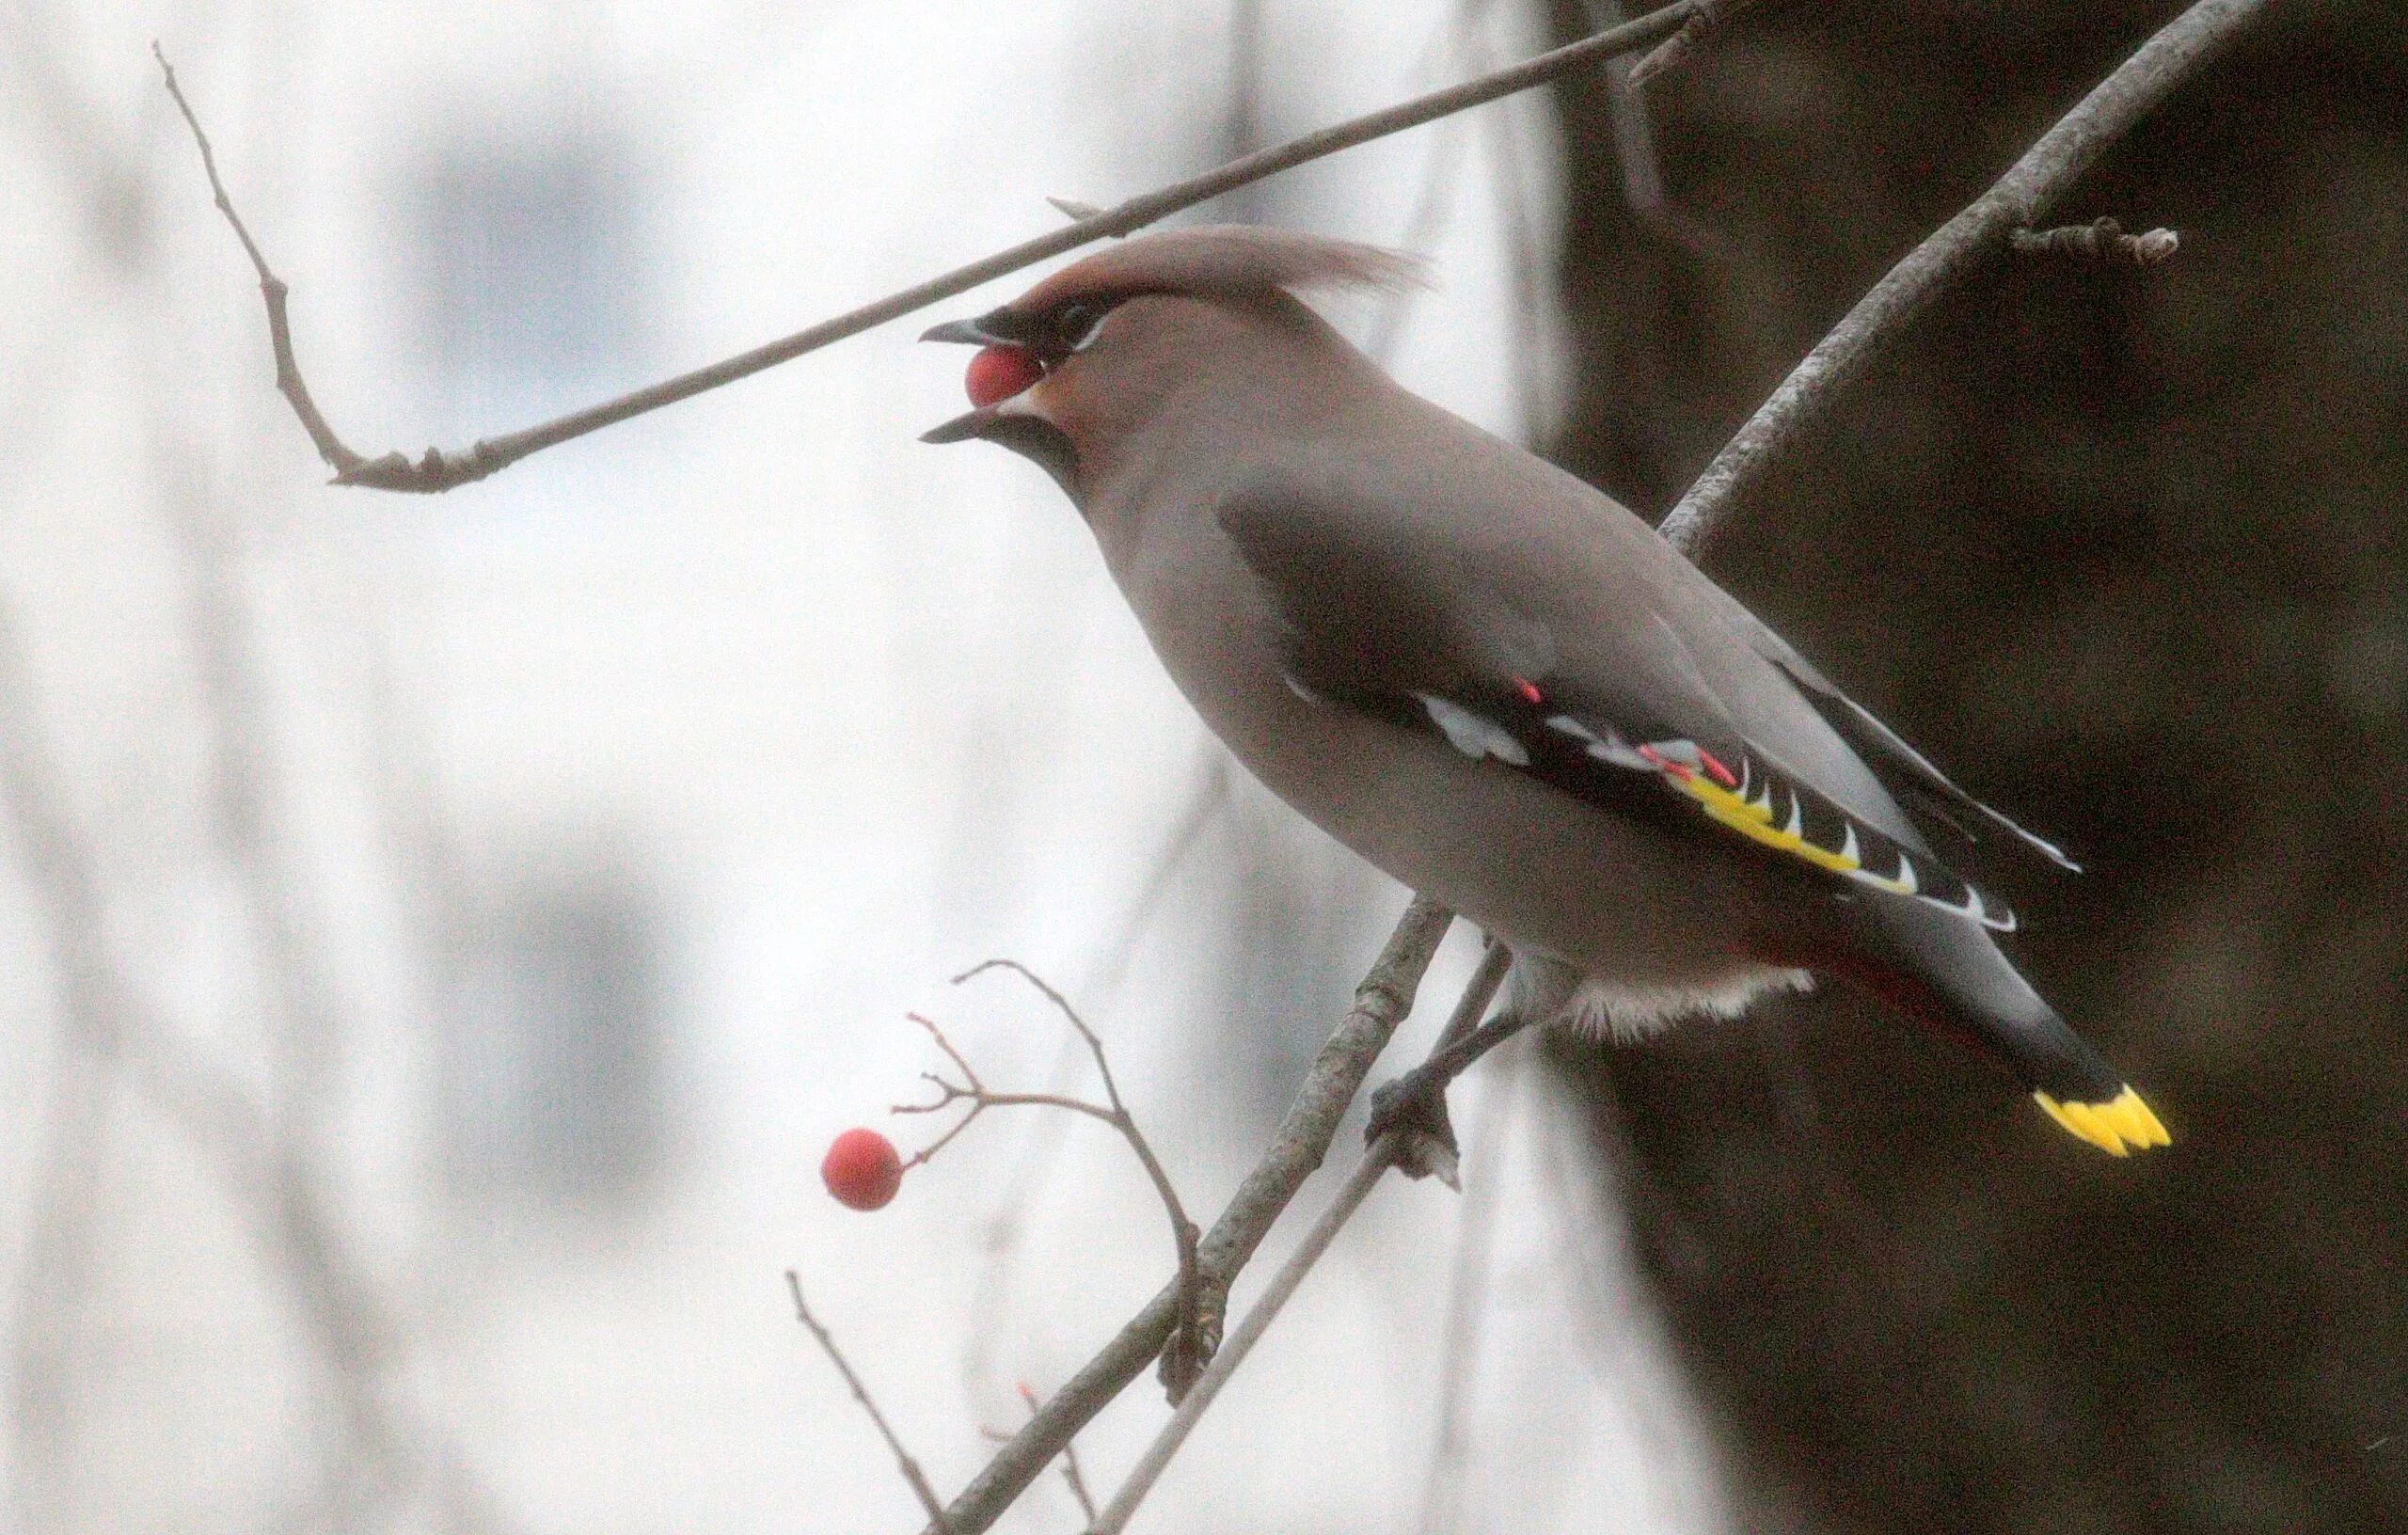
1488 678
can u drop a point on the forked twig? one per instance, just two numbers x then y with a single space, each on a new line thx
909 1467
289 383
1705 20
2015 201
1381 1002
1149 1467
1389 1151
1190 1344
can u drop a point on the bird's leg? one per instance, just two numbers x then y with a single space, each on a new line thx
1414 1106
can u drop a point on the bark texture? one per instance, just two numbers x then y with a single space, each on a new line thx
2125 550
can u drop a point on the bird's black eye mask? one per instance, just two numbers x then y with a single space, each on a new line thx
1052 336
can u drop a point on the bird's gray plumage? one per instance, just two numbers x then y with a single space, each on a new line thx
1486 676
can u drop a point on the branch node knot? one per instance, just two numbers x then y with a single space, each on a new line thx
1705 17
2103 241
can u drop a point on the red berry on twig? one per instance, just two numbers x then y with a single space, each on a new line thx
861 1169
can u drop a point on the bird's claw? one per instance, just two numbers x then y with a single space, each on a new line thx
1413 1109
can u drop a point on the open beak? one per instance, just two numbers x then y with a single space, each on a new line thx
994 329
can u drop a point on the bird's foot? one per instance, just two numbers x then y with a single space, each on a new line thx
1413 1108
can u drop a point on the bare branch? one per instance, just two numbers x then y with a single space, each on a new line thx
440 470
1190 1344
1387 1152
1705 20
1381 1002
2102 240
1276 1295
909 1467
1061 1005
2015 201
289 381
1642 174
1006 1225
1075 1477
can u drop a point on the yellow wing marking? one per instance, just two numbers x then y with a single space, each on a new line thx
2118 1128
1752 818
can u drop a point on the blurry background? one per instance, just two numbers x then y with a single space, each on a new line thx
444 934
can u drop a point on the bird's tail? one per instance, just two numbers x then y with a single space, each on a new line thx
1950 970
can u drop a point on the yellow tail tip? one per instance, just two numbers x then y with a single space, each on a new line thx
2118 1128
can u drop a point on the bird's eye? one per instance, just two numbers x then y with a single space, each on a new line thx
1074 324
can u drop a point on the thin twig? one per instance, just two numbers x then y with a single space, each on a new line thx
440 470
1643 171
1381 1002
1467 1303
1003 1230
2102 240
2015 201
273 1179
1071 1475
909 1467
1358 1185
1383 1154
289 381
1705 20
1190 1344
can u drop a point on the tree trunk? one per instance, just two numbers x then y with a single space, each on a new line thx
2122 549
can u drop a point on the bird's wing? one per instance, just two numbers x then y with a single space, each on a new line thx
1890 752
1460 627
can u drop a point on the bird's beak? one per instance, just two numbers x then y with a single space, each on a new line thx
994 329
974 332
963 428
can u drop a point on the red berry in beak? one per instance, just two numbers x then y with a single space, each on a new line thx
861 1169
998 372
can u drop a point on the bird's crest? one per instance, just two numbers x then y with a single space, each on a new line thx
1226 259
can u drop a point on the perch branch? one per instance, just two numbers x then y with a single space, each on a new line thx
1149 1467
1389 1150
2015 201
1072 1477
439 469
903 1461
1381 1002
